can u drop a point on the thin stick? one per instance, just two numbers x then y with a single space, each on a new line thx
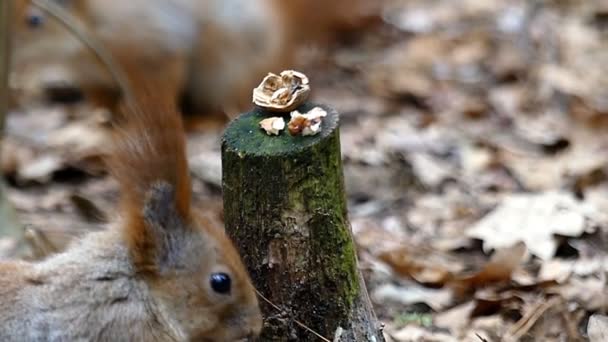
5 11
530 318
276 307
76 28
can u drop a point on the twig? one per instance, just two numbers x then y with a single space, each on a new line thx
39 243
276 307
76 28
5 15
571 329
481 338
527 322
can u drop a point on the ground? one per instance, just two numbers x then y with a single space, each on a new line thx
475 152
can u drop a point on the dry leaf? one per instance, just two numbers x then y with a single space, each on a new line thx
534 219
589 292
413 333
597 328
421 263
456 318
41 169
82 138
207 166
500 268
557 270
431 171
412 294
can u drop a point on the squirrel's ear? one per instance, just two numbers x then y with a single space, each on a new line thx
165 230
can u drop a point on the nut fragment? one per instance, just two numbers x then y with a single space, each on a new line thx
273 125
282 93
296 124
308 123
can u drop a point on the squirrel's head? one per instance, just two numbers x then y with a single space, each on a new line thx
43 50
194 272
30 17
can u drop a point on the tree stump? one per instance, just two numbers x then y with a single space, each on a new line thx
285 208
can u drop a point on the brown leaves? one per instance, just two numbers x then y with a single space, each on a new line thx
488 110
499 269
475 152
37 144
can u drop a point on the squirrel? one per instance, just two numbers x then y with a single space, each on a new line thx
216 51
159 273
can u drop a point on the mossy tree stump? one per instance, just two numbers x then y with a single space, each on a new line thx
285 208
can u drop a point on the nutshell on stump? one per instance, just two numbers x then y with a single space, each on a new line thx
285 208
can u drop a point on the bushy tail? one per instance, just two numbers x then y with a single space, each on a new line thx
148 150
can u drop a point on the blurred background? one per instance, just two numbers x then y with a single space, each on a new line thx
473 138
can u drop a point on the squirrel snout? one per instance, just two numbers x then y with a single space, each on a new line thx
242 326
256 322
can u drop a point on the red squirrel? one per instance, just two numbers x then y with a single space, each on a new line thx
215 51
159 273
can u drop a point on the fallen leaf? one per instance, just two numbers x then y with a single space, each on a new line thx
534 219
410 294
432 172
597 328
422 264
207 166
41 169
558 270
82 138
412 333
588 292
456 318
499 269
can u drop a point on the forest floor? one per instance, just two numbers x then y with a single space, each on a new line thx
475 147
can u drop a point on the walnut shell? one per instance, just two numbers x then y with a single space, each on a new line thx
308 123
282 93
273 125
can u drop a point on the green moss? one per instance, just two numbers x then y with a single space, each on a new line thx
320 193
245 135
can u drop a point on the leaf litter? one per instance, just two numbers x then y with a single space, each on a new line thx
474 159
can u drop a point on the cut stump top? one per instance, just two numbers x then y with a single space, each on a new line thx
244 135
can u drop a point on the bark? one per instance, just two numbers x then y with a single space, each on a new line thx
285 208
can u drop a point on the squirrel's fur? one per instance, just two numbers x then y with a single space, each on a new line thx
147 277
217 51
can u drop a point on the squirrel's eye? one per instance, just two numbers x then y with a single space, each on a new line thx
220 283
35 20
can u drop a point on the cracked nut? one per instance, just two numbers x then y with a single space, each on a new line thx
282 93
308 123
273 126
